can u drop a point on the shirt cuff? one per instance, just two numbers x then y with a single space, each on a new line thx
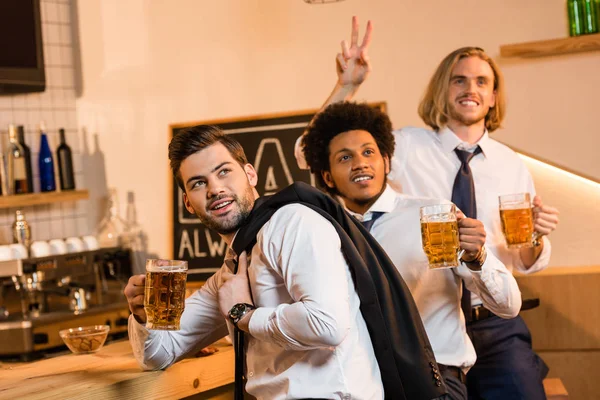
542 261
487 274
259 323
138 334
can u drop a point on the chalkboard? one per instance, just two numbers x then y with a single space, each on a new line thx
269 145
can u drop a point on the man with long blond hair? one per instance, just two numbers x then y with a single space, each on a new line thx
457 160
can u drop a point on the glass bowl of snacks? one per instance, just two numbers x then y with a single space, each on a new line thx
85 339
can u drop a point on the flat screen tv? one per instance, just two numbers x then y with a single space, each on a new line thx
21 48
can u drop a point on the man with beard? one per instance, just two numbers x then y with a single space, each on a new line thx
457 160
348 146
293 295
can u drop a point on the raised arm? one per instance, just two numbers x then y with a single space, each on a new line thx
353 68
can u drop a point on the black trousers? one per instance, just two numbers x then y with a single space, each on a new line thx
457 390
506 367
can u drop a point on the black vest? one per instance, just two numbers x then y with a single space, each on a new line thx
405 357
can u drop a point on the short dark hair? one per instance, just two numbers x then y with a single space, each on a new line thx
339 118
191 140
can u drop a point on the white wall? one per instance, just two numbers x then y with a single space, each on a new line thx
147 64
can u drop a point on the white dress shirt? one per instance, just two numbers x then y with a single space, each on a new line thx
307 338
425 164
437 293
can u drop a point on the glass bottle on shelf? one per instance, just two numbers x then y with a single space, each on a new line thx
590 19
27 152
15 164
46 163
65 164
111 228
134 237
575 13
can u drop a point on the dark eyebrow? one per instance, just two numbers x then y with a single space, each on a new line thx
348 150
193 178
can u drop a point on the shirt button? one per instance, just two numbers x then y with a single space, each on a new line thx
251 374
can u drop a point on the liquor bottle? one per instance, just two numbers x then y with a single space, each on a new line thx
15 164
27 152
65 164
46 163
3 181
111 228
134 237
590 19
575 12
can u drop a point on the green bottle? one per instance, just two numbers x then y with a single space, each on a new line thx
575 12
590 18
598 13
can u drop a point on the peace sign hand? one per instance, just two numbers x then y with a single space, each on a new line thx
353 65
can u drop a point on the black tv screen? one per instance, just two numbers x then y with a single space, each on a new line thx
21 49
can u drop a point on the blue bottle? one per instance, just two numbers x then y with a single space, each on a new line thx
46 164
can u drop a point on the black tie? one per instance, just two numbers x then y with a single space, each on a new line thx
463 195
374 215
463 191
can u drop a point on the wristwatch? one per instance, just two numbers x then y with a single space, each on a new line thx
477 263
238 311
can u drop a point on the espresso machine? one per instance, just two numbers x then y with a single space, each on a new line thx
41 296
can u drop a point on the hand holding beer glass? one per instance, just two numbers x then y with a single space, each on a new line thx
516 216
164 294
439 234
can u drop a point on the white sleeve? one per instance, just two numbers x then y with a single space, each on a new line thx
201 325
305 250
299 153
495 285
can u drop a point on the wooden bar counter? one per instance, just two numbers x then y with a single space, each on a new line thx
113 373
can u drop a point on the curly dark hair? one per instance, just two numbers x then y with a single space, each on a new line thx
191 140
339 118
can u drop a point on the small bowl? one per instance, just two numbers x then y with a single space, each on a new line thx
85 339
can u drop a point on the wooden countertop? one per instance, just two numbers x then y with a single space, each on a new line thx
113 373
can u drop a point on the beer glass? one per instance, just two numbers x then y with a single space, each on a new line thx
517 220
164 295
439 233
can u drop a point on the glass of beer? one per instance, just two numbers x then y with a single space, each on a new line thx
439 233
517 220
164 295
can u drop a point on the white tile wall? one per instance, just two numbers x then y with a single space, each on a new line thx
56 107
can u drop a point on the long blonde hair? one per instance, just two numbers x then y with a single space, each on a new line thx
434 109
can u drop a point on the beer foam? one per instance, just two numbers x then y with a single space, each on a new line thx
166 268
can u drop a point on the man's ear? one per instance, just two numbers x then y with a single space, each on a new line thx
493 100
326 175
187 204
251 174
386 162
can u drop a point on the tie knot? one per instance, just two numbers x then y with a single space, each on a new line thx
466 156
374 215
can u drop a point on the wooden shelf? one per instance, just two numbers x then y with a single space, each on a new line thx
543 48
34 199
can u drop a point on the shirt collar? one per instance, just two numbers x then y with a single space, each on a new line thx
385 203
450 141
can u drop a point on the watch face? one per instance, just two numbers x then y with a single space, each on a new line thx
237 310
